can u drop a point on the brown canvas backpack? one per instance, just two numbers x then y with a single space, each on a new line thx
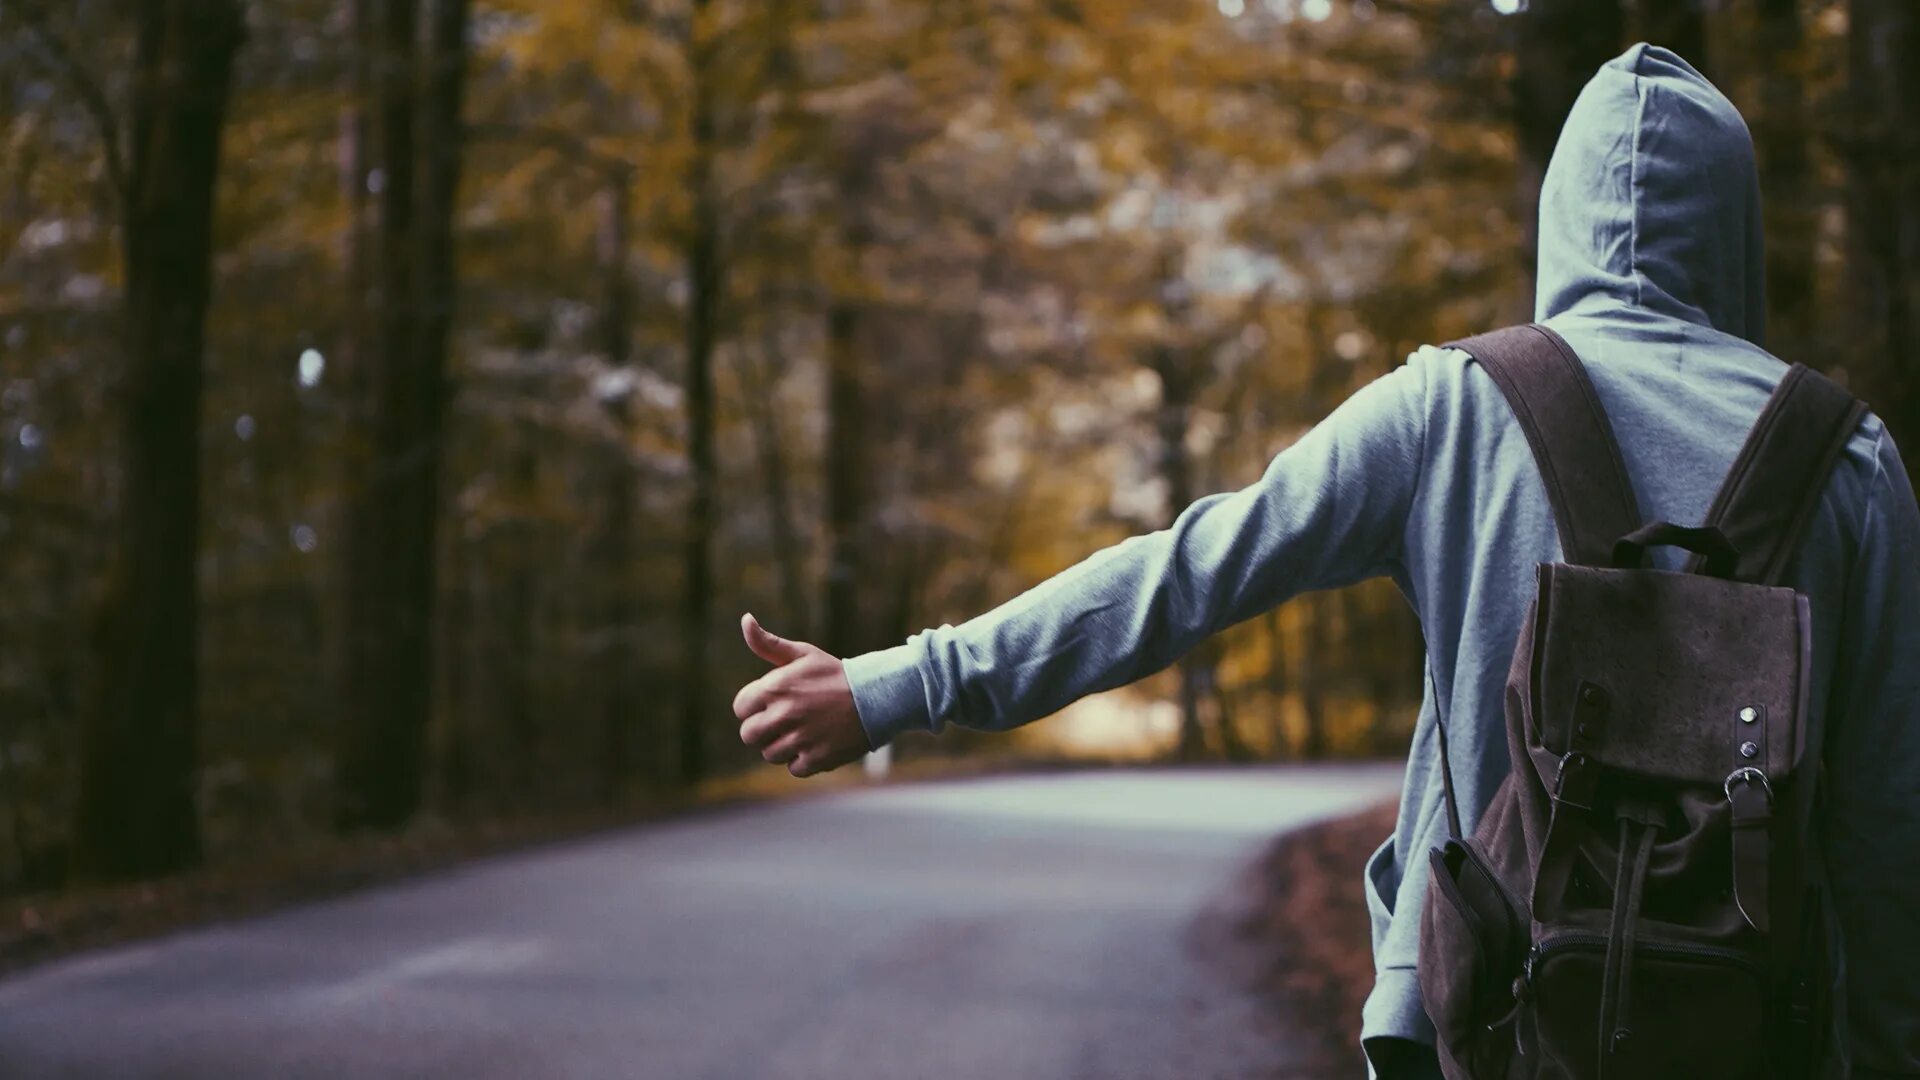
1636 900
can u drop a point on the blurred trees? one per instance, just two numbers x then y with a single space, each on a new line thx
1558 44
1882 151
544 334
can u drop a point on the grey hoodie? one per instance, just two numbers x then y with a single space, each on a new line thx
1650 266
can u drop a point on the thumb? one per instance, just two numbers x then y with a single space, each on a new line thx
773 649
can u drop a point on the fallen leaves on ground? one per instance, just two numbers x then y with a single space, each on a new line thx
1295 928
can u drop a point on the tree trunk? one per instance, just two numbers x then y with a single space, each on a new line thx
457 754
1560 44
1781 140
703 302
136 811
1883 211
1276 685
388 675
1312 676
761 383
846 482
350 382
517 617
621 707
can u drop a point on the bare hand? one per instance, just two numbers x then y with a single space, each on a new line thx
801 713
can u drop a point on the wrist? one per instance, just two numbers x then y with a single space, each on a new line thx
889 693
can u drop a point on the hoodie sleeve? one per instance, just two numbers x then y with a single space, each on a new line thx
1873 802
1329 510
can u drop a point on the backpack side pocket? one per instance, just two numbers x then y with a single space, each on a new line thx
1472 940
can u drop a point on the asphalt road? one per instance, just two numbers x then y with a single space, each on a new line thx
1022 928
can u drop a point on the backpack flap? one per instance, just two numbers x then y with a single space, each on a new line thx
1670 677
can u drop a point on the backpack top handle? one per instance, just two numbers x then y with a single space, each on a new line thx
1706 542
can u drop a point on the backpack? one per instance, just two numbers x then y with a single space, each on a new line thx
1639 899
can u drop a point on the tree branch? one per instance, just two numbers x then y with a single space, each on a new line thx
92 95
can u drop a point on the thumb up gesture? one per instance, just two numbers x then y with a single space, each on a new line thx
801 713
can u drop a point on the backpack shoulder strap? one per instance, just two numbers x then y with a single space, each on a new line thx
1552 396
1776 482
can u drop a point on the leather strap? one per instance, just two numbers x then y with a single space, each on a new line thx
1752 852
1750 798
1776 482
1617 1045
1552 396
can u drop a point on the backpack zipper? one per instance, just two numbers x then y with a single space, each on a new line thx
1578 940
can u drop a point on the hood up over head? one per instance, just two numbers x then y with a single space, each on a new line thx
1652 201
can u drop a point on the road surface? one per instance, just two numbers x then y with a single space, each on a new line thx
1019 928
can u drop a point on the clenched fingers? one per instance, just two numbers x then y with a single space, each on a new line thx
758 694
763 727
784 748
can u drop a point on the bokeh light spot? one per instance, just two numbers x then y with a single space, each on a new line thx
312 366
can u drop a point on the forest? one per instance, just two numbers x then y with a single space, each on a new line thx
401 399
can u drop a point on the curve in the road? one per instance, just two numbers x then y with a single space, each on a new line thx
1014 927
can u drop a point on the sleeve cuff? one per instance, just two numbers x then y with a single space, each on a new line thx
888 693
1393 1012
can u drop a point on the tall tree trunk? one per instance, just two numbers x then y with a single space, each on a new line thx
377 765
761 382
1312 678
847 470
441 145
456 752
703 304
136 812
1781 140
1560 44
620 707
1276 684
515 663
388 676
351 379
1883 211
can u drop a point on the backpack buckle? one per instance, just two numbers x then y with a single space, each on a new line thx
1747 774
1573 782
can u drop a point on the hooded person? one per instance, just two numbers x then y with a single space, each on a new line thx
1650 266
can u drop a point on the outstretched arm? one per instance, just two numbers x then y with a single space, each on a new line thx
1329 511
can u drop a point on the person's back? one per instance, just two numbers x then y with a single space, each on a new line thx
1650 267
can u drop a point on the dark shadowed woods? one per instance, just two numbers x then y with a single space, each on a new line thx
400 398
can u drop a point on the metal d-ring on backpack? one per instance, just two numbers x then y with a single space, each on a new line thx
1636 901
